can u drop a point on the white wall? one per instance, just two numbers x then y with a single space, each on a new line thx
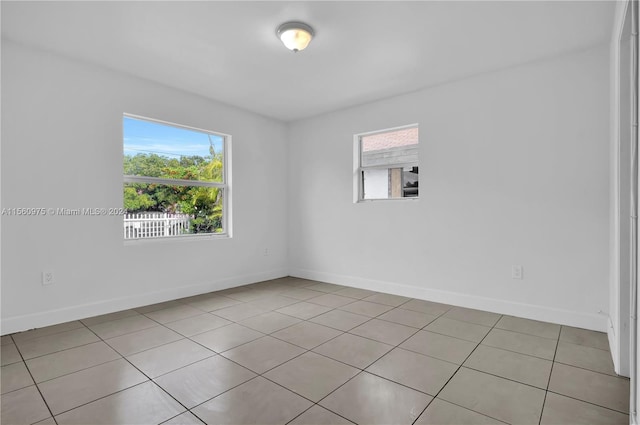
62 147
514 169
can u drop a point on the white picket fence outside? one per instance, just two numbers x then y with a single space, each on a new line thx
155 225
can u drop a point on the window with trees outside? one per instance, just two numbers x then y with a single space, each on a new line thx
387 164
175 180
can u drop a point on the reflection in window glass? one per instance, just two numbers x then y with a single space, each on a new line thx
389 164
174 180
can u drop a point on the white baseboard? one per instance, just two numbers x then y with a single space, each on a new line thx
52 317
594 321
613 346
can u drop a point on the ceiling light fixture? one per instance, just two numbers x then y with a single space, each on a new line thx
295 36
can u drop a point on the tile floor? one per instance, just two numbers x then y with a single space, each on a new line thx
302 352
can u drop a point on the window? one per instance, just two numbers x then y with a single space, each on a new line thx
387 164
175 180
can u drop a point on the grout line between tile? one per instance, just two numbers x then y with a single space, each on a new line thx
36 385
149 379
594 371
454 374
80 370
588 402
544 401
280 293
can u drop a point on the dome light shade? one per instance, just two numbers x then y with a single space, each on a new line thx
295 36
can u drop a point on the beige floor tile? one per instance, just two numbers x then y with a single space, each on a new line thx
263 354
14 376
48 421
197 324
311 375
507 364
166 358
69 391
143 340
427 307
255 402
356 293
265 294
123 326
187 418
273 302
261 293
109 317
584 337
304 310
463 330
387 332
214 303
234 290
408 317
173 314
341 320
266 284
245 296
307 335
521 343
239 312
200 381
593 387
470 315
559 409
57 342
140 405
442 412
297 282
368 399
9 354
496 397
531 327
326 287
420 372
301 294
23 406
273 285
290 280
387 299
157 306
49 330
585 357
69 361
366 308
269 322
63 359
197 298
439 346
331 300
353 350
319 416
226 337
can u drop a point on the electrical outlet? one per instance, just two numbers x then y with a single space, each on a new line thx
48 277
517 272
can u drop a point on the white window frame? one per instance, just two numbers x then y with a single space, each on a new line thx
225 185
358 183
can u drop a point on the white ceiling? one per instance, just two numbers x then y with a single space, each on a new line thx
363 51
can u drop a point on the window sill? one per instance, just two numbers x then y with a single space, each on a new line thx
366 201
177 239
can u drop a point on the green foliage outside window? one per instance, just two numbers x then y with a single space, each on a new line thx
203 204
